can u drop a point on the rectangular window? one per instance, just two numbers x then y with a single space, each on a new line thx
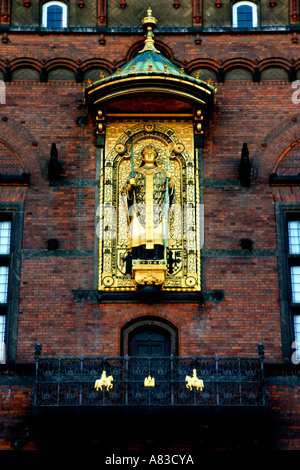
5 258
294 237
297 335
55 17
244 16
293 229
2 338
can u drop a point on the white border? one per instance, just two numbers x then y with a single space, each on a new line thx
254 13
64 12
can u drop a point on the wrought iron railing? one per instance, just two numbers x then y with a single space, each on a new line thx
149 381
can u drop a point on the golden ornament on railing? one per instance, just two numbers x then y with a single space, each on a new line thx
104 382
149 381
194 381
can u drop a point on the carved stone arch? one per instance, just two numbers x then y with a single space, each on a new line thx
274 62
25 62
96 63
273 146
140 323
202 63
23 145
238 62
205 69
61 63
25 68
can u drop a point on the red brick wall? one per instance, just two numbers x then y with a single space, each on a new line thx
15 409
43 113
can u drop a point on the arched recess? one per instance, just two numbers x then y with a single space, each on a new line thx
152 323
238 73
204 73
25 73
202 63
25 62
92 68
274 62
288 163
273 146
21 143
274 73
61 69
238 62
94 73
10 163
61 73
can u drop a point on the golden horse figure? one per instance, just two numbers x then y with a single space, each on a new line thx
194 381
104 382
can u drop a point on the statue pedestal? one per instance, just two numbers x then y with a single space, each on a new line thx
149 272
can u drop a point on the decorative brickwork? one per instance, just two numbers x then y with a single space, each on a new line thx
240 303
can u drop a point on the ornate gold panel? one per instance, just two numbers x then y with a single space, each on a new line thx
124 143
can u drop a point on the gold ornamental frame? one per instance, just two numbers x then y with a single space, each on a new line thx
184 243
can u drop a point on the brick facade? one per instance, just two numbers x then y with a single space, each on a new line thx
51 309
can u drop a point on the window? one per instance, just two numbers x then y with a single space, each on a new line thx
274 73
244 15
5 255
293 227
61 73
54 15
238 73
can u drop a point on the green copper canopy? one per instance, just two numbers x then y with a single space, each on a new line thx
149 61
149 73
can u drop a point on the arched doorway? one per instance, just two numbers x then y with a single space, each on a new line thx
149 336
149 343
149 340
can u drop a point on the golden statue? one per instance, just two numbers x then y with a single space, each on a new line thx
104 382
149 195
194 381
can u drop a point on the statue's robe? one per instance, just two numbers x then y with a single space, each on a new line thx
147 206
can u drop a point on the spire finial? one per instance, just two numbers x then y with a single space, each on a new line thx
149 24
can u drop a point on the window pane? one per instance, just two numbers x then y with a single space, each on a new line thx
5 233
295 281
244 16
3 284
294 237
297 335
2 338
54 16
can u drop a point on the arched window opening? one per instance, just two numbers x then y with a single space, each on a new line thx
244 15
25 73
238 73
61 73
274 73
152 337
94 73
54 15
204 74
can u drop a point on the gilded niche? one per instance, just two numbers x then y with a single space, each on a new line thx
149 211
